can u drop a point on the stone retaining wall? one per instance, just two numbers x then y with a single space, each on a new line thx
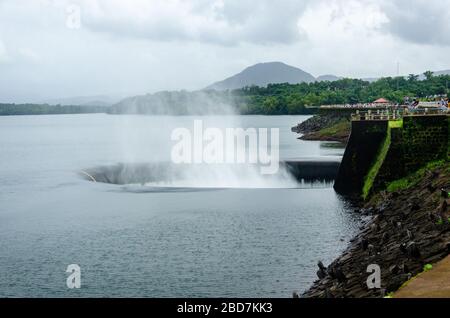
422 139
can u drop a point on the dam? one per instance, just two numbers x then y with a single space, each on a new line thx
301 170
384 147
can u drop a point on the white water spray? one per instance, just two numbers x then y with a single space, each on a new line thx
147 139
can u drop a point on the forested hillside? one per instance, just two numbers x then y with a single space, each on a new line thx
279 99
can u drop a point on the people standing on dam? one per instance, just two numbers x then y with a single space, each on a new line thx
444 105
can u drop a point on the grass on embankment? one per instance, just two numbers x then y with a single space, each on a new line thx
412 179
381 156
382 152
396 123
340 127
336 132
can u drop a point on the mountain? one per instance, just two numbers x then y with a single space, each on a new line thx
262 74
445 72
328 77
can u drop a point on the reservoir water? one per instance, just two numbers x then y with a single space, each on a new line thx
225 234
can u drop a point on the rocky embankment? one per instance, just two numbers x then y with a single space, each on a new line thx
333 126
407 229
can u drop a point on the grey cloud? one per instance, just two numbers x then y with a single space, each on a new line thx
419 21
233 22
139 46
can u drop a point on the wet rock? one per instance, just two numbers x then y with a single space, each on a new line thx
370 210
431 188
328 294
413 250
404 215
322 272
442 209
404 234
364 244
397 281
394 269
403 247
404 268
395 194
382 208
371 249
414 207
337 273
409 234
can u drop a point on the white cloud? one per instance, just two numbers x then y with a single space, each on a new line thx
342 21
29 55
137 46
3 54
208 21
419 21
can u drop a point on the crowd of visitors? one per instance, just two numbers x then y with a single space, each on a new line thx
412 104
440 102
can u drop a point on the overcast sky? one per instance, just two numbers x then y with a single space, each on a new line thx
132 47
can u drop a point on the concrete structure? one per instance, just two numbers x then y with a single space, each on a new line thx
381 151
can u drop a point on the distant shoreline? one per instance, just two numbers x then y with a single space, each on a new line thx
45 109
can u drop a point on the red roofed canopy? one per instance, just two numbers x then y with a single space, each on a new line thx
381 101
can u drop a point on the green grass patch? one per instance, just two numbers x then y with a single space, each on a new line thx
400 184
396 123
382 152
427 267
414 178
338 128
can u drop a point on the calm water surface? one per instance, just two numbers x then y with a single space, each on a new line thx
236 242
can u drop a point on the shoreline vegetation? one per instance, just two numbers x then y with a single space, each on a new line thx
45 109
333 126
274 99
284 98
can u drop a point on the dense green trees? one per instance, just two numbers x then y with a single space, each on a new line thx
42 109
275 99
294 99
279 99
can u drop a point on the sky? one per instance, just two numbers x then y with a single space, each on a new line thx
63 48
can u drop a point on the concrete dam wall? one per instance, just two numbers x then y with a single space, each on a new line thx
381 151
165 172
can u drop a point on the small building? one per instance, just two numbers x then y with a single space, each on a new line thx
381 101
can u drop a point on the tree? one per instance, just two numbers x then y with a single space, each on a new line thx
270 105
413 78
428 75
295 105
